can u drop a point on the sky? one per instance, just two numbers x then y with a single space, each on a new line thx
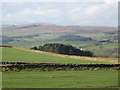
101 13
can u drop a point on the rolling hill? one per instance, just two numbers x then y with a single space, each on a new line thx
87 37
72 38
17 54
30 29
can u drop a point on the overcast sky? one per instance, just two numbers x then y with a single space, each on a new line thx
103 13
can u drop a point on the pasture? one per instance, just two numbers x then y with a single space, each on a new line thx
61 79
106 49
17 55
34 78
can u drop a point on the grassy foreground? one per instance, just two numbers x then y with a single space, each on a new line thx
60 79
16 55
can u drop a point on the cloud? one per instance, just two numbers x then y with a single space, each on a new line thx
28 15
111 2
99 14
20 16
96 13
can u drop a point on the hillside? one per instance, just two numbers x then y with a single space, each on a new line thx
72 38
94 38
31 29
17 54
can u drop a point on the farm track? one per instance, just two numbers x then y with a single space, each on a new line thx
70 56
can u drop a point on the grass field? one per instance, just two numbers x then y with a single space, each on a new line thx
98 50
26 44
54 79
105 49
60 79
15 55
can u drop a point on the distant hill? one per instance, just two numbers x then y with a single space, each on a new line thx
102 40
72 38
30 29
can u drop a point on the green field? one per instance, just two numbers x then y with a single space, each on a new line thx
106 49
15 55
26 44
54 79
60 79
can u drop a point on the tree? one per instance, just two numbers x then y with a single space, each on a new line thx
63 49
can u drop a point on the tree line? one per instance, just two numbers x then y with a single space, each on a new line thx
63 49
72 38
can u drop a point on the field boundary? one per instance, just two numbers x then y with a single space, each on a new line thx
13 66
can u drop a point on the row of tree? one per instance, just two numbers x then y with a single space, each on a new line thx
72 38
63 49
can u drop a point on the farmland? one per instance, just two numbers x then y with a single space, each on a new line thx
60 79
106 49
35 78
17 55
24 36
26 68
